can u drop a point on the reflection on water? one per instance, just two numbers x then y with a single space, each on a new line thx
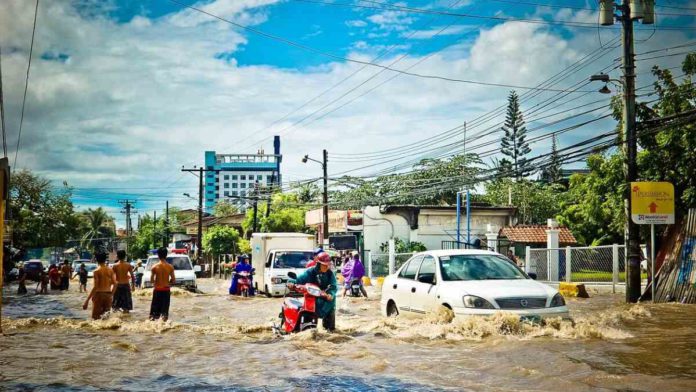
216 342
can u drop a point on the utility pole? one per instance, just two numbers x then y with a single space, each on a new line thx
628 12
325 199
128 211
464 141
629 127
256 207
199 236
166 225
154 230
270 195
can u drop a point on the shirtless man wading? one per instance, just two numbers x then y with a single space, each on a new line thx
162 277
124 277
104 286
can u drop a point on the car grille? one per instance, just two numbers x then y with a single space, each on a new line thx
521 303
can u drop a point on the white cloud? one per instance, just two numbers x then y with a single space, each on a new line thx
138 100
356 23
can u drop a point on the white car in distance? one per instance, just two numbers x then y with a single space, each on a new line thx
470 283
184 272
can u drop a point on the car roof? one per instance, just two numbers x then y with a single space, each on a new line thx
455 252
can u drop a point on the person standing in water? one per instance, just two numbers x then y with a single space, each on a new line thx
162 277
102 291
65 273
82 273
124 283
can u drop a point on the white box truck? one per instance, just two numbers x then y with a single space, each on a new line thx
273 255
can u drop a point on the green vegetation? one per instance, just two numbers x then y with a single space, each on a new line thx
219 240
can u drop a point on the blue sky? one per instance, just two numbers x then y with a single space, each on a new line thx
124 92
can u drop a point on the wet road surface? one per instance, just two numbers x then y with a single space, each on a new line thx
217 342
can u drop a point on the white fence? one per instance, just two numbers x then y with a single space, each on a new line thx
587 264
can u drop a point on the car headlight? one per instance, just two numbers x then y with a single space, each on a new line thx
557 301
472 301
277 280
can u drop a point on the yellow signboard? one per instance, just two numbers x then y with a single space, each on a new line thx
652 203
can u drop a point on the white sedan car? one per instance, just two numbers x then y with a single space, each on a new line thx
470 282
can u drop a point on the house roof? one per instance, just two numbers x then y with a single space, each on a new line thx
536 234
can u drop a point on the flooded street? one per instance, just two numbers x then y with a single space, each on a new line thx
215 342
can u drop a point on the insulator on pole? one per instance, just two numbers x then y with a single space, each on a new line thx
648 12
636 9
606 12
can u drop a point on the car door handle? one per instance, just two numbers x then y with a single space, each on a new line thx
413 289
394 287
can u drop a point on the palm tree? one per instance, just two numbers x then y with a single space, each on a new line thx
95 225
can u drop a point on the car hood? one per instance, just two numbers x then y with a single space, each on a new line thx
178 274
501 288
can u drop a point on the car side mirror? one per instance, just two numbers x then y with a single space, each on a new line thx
196 268
292 275
426 279
532 275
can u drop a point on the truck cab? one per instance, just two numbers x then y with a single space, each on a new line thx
279 263
274 255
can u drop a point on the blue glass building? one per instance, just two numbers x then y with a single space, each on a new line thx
234 177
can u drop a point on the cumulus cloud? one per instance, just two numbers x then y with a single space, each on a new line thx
137 100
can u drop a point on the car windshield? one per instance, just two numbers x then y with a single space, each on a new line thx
179 263
296 259
90 267
478 267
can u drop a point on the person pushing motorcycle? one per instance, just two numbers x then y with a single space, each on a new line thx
321 275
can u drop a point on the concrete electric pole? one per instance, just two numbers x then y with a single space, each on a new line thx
628 12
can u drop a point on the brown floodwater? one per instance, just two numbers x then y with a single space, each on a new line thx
217 342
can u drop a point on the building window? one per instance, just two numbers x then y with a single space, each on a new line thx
234 177
242 193
234 185
227 193
242 185
227 185
242 177
234 193
211 192
227 177
259 178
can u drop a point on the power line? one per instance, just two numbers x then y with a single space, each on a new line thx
26 83
380 55
341 58
590 25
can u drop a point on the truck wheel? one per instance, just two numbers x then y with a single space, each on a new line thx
266 292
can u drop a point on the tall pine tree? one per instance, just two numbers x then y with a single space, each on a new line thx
552 173
513 143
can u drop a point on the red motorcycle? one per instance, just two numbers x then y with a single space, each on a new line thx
243 283
298 315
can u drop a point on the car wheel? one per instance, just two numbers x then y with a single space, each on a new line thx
392 310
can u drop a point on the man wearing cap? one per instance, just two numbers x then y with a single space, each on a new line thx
322 275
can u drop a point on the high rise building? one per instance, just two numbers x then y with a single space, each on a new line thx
235 177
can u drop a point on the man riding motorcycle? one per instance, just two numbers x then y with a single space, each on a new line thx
242 266
321 275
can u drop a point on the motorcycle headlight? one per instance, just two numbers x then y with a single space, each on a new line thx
472 301
557 301
315 291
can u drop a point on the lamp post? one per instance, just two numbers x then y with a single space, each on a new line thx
325 198
628 12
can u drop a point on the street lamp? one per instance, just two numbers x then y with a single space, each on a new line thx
325 201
